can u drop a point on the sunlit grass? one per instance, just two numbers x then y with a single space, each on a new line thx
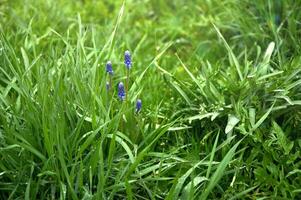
219 83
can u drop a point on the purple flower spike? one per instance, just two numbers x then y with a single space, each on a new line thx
121 91
127 59
109 68
138 105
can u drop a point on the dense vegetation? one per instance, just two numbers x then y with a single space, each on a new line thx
219 83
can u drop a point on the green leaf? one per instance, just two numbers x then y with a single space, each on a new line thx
219 172
189 187
201 116
124 145
25 58
268 53
261 120
230 52
281 139
232 121
243 193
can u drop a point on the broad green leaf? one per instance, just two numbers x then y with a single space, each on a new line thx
281 139
232 121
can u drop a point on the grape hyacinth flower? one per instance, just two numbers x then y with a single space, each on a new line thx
138 105
109 68
128 65
121 91
127 59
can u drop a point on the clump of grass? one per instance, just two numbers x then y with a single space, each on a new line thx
220 87
72 143
250 101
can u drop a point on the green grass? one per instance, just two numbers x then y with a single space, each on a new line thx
220 86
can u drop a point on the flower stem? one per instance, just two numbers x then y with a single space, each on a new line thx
110 83
127 84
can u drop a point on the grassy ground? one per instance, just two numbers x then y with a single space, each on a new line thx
220 88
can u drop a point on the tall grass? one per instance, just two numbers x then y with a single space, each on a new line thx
219 82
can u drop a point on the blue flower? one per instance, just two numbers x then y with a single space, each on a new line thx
109 68
138 105
121 91
127 59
